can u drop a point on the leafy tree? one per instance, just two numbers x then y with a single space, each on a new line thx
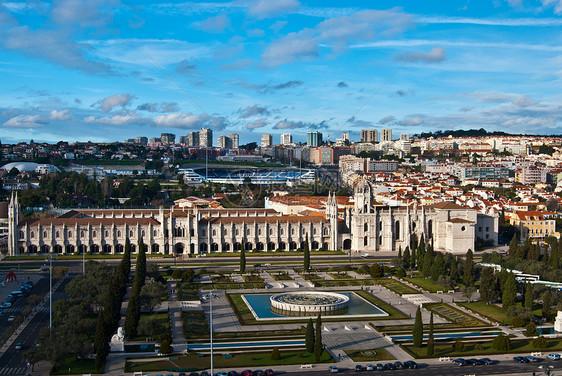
438 266
150 327
376 270
306 262
468 275
427 262
242 261
417 331
513 246
309 338
318 346
177 274
151 295
531 329
509 291
166 347
487 282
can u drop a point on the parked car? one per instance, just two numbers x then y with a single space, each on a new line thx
247 372
232 373
334 369
18 346
380 367
358 368
193 374
553 356
520 359
222 373
6 305
410 364
204 373
258 372
389 366
11 318
459 362
486 361
398 365
269 372
370 367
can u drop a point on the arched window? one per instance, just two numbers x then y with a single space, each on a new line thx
214 234
304 231
259 231
365 227
119 233
292 231
21 235
325 231
57 234
131 233
44 234
32 235
237 232
365 241
397 230
225 231
270 231
155 233
82 233
281 231
248 232
106 233
143 234
314 231
94 234
70 234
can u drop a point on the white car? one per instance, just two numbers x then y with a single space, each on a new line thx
365 255
6 305
11 318
334 369
18 346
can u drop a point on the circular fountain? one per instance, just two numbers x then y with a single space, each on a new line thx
307 302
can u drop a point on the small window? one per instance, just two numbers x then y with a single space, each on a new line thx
225 231
21 235
281 231
155 233
248 231
292 231
314 231
143 233
44 234
237 232
106 233
57 234
32 235
70 234
81 234
119 233
94 234
487 229
259 231
214 232
131 233
463 228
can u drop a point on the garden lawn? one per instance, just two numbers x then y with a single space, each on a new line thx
281 276
489 310
427 284
194 324
76 367
162 318
192 362
446 349
397 287
374 355
454 315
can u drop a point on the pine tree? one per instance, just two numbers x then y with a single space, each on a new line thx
127 258
438 266
140 270
468 277
513 246
309 339
486 283
242 261
101 344
399 259
454 270
318 347
528 296
306 262
417 331
132 316
430 340
554 259
427 262
509 291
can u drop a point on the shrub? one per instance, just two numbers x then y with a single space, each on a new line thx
479 347
531 329
540 343
501 343
275 354
458 346
400 273
518 322
165 347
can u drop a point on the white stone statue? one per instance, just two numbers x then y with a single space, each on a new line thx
117 343
558 322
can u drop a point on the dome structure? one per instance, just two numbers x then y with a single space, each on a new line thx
21 166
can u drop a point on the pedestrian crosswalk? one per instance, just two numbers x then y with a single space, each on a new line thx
13 371
13 310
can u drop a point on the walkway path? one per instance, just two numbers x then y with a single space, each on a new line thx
174 311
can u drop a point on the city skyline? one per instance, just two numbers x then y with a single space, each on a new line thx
108 70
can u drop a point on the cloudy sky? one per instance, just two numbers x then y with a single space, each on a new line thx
106 70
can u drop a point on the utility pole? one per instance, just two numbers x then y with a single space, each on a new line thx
50 259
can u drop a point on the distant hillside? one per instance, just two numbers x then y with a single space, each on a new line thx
464 133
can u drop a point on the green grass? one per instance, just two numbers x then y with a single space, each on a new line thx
283 276
397 287
76 367
194 324
371 355
339 275
253 278
489 310
519 346
192 362
454 315
427 284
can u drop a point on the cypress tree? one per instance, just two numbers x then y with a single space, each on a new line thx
242 261
454 270
309 339
140 272
407 258
513 246
546 303
318 348
554 259
430 340
486 283
417 331
509 291
127 259
438 266
528 296
427 262
101 345
132 316
468 277
400 260
306 262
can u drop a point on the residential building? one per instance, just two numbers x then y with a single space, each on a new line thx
286 139
193 139
314 138
534 224
167 138
369 135
206 138
386 135
266 140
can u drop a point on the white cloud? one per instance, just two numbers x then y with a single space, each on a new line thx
126 119
436 55
217 24
253 110
272 8
109 103
191 121
556 3
544 22
259 123
60 115
290 48
25 121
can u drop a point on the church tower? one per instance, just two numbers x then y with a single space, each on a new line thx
332 217
13 220
363 193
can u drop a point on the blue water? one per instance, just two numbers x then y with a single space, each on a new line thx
233 345
408 337
357 306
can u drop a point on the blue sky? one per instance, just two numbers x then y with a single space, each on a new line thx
107 70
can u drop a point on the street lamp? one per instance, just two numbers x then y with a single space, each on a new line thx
211 297
50 258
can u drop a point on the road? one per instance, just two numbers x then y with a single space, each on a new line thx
12 362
